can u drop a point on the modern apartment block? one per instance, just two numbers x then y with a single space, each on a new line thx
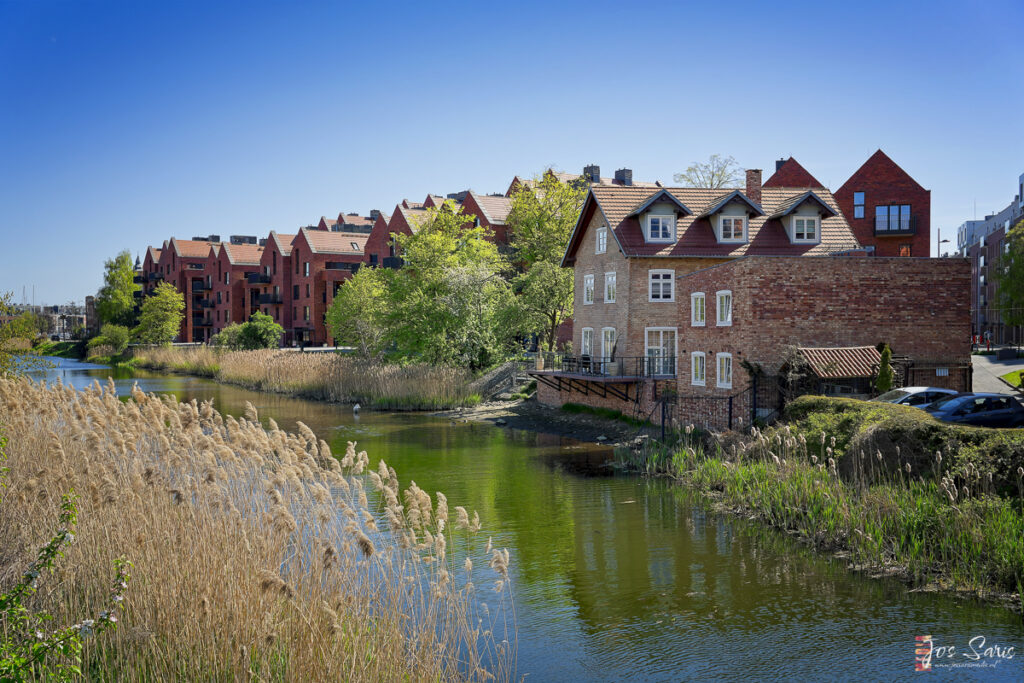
321 262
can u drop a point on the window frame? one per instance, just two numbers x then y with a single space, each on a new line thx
694 297
615 340
742 239
719 321
584 351
588 288
675 347
660 217
719 357
612 280
671 273
817 229
858 205
702 382
601 240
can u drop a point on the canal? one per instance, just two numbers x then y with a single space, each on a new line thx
620 577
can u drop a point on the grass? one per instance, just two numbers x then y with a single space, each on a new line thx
322 376
606 413
1012 377
63 349
257 554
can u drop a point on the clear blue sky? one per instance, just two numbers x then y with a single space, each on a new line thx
122 124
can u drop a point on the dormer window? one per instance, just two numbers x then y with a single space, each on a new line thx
661 228
805 228
732 229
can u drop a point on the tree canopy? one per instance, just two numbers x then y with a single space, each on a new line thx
717 172
359 313
115 301
160 318
1009 278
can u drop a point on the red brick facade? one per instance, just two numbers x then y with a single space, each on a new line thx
884 184
232 264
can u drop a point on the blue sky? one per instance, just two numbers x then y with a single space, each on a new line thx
122 124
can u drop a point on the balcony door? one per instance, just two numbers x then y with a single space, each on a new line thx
607 347
661 351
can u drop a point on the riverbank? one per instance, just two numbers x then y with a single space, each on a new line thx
255 552
952 521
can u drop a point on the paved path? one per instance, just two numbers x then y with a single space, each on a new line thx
987 370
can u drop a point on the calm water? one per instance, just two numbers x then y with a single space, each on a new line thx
618 577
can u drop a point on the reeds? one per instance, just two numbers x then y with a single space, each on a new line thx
322 376
257 554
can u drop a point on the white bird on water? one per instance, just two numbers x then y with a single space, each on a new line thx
355 409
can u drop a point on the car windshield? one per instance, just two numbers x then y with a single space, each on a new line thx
894 395
945 401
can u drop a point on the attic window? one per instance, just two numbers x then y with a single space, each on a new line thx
661 228
732 229
355 246
805 228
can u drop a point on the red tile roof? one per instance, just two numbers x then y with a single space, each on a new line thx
321 242
190 248
696 237
354 219
843 362
495 209
243 254
792 174
154 254
283 241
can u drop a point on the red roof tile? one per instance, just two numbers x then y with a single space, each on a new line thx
284 242
843 362
321 242
243 254
495 209
190 248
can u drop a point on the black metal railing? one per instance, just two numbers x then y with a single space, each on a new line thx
139 279
206 303
199 287
156 276
392 262
202 322
888 225
271 299
258 279
341 265
597 366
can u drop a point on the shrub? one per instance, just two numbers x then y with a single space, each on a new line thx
260 332
113 336
883 382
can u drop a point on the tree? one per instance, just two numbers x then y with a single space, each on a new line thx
1009 278
883 382
448 297
542 218
114 336
16 336
115 302
261 332
717 172
160 318
228 337
359 313
544 301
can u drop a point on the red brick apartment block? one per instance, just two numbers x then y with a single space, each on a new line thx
378 246
491 212
186 265
887 209
151 271
665 273
268 290
321 262
232 264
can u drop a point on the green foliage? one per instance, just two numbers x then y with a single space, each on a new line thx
260 332
1009 278
16 355
114 336
28 649
115 302
717 172
359 313
1014 378
542 219
161 315
883 382
606 413
228 337
544 301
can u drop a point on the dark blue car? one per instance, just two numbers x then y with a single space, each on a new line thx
980 410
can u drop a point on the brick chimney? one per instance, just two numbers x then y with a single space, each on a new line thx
624 176
592 173
754 184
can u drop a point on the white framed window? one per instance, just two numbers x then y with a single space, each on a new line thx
660 350
723 375
697 309
732 229
588 289
608 339
661 285
697 368
723 307
602 241
981 260
661 228
305 269
587 342
805 228
609 288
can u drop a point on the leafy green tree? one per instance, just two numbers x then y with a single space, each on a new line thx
544 300
448 298
115 302
160 318
114 336
16 336
228 337
717 172
883 382
359 313
1009 278
542 218
261 332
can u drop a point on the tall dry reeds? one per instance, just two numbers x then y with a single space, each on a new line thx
257 554
321 376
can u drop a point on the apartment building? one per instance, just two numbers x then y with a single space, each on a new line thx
231 264
321 262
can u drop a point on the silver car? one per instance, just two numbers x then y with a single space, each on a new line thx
919 397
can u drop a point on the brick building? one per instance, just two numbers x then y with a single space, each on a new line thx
267 289
321 262
659 274
231 266
887 209
186 264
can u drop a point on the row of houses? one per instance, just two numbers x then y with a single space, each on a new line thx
687 298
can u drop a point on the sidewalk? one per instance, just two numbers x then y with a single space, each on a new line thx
987 371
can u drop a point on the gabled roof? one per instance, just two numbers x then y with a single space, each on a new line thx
791 204
353 219
414 216
243 254
154 253
720 203
696 237
661 196
190 248
283 242
880 162
321 242
433 200
792 174
495 209
842 362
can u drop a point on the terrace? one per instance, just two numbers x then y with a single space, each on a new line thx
600 375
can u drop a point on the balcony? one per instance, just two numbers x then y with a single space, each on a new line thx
340 265
200 287
138 294
205 303
194 266
153 277
202 322
621 368
392 262
890 225
139 279
258 279
271 299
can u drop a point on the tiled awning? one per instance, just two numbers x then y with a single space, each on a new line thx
842 362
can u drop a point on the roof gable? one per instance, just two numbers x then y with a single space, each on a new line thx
662 196
792 174
878 163
794 202
724 201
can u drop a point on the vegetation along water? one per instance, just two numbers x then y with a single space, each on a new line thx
617 576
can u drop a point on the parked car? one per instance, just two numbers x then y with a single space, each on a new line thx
980 410
918 397
54 337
